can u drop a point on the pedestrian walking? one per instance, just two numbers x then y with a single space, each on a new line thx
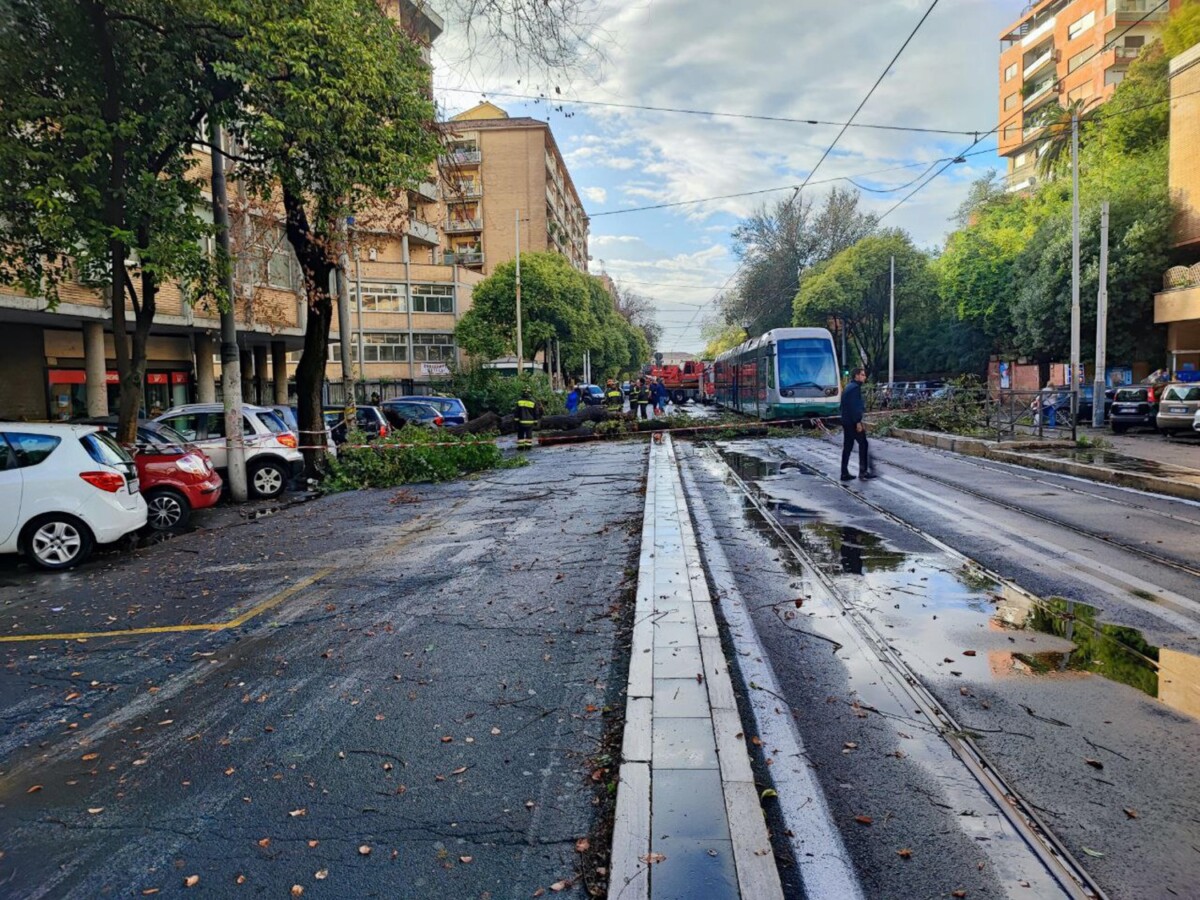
854 430
641 395
572 400
659 392
526 414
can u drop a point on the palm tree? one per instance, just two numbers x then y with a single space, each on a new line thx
1055 152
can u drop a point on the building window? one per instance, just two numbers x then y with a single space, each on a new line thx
1083 92
1078 60
1022 158
384 297
1010 101
1010 132
433 298
382 347
433 347
1114 76
1079 26
1011 72
270 259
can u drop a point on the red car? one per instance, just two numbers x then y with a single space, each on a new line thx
175 477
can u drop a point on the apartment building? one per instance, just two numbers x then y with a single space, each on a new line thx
1059 52
60 363
1177 306
501 174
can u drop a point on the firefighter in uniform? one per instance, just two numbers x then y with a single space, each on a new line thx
641 394
612 396
526 415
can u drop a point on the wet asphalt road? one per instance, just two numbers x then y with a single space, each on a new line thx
414 707
1086 702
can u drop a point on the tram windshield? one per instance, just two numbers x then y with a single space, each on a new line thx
807 367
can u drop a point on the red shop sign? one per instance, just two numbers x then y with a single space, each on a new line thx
179 378
112 377
68 376
156 378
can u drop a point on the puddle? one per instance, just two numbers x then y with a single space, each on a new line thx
926 608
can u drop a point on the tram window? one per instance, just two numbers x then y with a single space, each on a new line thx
807 367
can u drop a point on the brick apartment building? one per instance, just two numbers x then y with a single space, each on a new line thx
500 167
1059 52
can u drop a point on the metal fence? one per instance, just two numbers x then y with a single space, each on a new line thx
1004 415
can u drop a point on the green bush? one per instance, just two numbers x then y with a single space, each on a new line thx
962 411
409 455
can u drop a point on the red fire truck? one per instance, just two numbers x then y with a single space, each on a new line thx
685 381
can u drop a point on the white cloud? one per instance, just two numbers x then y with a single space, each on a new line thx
596 194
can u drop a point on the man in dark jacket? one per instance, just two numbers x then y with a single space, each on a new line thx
853 429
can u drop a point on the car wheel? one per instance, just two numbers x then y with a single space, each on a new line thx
267 480
58 541
166 510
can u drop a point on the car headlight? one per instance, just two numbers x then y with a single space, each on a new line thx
193 465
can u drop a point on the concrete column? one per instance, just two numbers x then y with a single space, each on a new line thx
260 374
247 364
94 363
279 372
206 381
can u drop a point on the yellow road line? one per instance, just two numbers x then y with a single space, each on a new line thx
245 617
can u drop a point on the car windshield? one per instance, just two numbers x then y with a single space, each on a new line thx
1131 394
1179 392
445 405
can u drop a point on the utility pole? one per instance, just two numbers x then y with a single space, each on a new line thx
842 331
231 371
1075 375
1101 324
362 356
343 286
520 344
892 330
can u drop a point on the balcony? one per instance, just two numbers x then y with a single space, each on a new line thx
425 191
422 232
1030 130
1145 10
463 190
462 158
1178 305
463 226
1046 28
1036 64
1039 94
470 258
1028 183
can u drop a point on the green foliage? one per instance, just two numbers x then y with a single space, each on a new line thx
721 338
407 456
487 390
557 302
1182 30
854 286
961 411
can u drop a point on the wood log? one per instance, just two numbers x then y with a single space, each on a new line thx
489 421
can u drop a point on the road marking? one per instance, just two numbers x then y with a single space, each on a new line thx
245 617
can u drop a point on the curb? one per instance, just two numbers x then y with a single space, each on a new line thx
1011 453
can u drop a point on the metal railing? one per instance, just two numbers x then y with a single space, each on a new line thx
981 412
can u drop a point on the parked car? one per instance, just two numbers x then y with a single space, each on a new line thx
1196 422
592 394
453 410
1086 404
64 488
272 459
1134 406
1178 407
402 411
176 477
370 420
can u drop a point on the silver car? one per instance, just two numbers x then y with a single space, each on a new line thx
1178 407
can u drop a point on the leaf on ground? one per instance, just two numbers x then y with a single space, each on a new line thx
560 886
72 696
652 858
296 813
313 843
230 770
265 842
904 854
34 789
191 881
582 845
1132 813
863 820
241 879
495 730
148 891
321 874
1094 853
297 890
959 893
88 757
968 653
1094 763
769 792
459 770
849 745
446 739
756 741
95 810
364 850
466 860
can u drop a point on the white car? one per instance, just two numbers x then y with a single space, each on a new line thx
1196 421
271 455
63 490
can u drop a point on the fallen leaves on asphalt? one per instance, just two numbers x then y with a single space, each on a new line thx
904 854
863 820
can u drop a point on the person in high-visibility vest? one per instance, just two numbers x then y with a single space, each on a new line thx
526 415
612 396
641 396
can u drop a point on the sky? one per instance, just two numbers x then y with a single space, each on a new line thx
799 59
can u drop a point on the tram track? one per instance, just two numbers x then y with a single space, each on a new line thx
1058 861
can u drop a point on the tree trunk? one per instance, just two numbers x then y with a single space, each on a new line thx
313 254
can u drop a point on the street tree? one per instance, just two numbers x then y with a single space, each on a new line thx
102 100
721 337
638 310
776 244
853 287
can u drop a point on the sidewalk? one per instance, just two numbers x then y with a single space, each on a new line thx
1118 467
689 823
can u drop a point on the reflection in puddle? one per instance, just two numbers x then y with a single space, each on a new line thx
920 589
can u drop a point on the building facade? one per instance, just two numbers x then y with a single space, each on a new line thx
1177 306
1059 52
501 174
